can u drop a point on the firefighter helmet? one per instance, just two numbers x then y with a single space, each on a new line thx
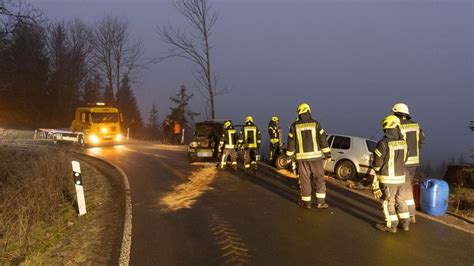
275 119
390 121
227 124
248 119
401 108
303 108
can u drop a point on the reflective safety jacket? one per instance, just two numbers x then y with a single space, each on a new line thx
229 138
389 158
250 136
414 137
274 131
307 139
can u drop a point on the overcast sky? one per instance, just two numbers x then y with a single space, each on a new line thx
350 60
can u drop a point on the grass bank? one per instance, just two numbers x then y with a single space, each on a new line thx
38 216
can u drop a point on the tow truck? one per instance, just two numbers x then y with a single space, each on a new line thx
92 125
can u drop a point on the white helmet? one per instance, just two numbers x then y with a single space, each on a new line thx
401 108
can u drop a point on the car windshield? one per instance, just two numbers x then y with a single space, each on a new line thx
105 117
371 145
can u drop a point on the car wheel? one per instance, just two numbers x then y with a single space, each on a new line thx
282 161
55 139
81 141
346 170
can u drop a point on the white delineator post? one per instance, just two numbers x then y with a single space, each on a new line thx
81 201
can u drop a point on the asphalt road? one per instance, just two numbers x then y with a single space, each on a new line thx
193 214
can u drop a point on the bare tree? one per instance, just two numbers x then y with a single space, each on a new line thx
196 46
14 13
114 53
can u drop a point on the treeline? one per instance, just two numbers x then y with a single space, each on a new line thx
428 170
48 68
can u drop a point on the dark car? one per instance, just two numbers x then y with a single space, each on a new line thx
205 143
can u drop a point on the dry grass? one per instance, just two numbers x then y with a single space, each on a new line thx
461 202
35 190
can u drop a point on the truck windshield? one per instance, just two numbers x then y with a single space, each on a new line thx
105 117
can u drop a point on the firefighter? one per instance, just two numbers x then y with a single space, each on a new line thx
389 178
249 140
274 131
307 143
413 135
228 145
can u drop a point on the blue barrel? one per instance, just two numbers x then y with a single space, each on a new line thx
434 196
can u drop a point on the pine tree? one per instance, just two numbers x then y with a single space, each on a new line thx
153 124
181 112
129 108
92 90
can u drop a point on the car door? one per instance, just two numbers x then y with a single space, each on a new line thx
340 146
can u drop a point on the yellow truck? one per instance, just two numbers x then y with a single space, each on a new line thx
92 125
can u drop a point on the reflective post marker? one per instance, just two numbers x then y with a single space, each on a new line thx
81 201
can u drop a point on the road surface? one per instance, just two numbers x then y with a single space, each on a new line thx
193 214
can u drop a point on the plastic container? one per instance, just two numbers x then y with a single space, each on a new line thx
434 197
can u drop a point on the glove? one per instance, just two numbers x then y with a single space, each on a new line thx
377 193
376 188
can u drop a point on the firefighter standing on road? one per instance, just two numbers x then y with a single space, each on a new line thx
228 145
389 178
413 135
274 131
249 140
307 142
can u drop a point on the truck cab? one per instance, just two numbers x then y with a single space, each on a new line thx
97 124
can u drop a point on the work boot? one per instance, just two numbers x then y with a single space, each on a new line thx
384 228
404 225
305 204
412 219
322 205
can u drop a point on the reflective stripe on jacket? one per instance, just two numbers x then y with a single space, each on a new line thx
414 137
389 160
250 136
307 139
229 138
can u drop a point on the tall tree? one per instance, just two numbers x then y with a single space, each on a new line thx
153 123
129 107
181 112
115 54
92 92
23 74
196 46
16 12
69 47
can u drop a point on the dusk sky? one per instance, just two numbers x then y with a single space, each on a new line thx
350 60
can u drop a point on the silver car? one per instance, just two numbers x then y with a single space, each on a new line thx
351 156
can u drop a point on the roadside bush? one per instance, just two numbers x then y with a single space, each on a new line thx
35 188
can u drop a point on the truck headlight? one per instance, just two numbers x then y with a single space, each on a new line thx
94 139
118 137
193 144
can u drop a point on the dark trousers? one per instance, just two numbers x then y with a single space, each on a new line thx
274 151
312 178
233 157
408 189
250 158
393 205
